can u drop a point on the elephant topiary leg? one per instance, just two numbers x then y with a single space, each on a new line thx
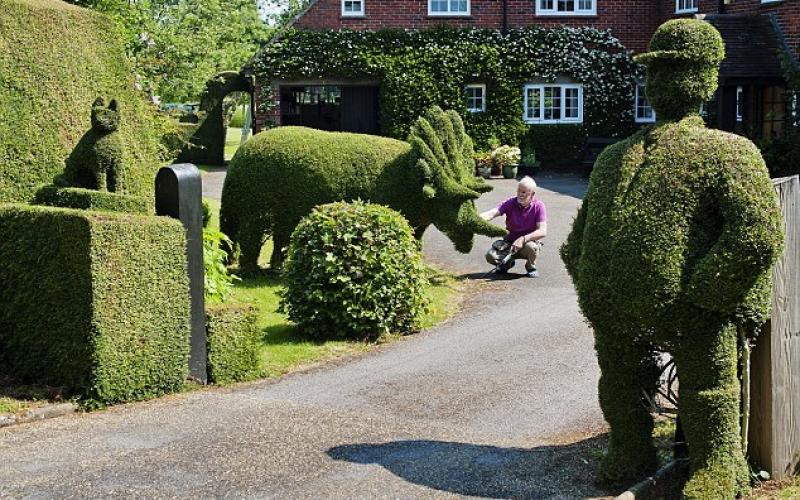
626 370
251 239
709 408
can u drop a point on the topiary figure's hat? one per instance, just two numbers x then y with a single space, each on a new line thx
686 40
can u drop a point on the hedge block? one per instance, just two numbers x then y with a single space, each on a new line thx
89 199
233 342
94 302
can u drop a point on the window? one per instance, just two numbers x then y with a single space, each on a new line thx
352 8
476 97
566 7
562 103
739 103
683 6
448 7
644 112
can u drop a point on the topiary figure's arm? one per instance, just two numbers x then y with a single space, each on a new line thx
572 249
751 236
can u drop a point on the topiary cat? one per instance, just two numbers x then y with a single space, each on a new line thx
97 160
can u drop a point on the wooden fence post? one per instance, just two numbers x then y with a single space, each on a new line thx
775 384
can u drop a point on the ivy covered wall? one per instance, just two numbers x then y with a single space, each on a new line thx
418 69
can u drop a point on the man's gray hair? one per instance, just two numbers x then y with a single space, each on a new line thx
528 182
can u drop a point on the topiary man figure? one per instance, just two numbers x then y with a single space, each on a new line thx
672 249
97 161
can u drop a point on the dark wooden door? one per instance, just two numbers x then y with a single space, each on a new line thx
360 109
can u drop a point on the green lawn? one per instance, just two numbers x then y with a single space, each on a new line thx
284 349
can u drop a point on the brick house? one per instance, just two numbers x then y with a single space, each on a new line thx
751 99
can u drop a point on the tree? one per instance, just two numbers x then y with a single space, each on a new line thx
177 45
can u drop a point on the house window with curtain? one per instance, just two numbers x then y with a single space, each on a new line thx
644 112
352 8
476 97
448 7
553 103
566 7
685 6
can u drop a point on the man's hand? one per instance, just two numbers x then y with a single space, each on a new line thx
518 244
489 214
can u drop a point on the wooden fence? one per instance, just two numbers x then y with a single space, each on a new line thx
774 432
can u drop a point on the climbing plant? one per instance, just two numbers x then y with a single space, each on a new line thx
418 69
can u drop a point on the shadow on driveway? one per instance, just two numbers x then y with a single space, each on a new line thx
563 471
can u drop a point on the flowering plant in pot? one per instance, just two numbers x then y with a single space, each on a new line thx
483 164
506 158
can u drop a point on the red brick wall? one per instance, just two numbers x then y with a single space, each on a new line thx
632 22
270 117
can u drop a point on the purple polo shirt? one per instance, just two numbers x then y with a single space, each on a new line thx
521 221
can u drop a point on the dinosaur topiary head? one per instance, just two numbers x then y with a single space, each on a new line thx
105 119
682 67
444 158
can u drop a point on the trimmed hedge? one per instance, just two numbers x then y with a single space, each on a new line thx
672 249
95 302
55 60
555 144
88 199
233 343
354 270
278 176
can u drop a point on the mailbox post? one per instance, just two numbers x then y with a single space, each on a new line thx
179 195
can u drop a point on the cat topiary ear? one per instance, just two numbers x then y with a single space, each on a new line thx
98 102
113 105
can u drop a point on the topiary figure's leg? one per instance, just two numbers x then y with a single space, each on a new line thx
709 408
100 179
626 370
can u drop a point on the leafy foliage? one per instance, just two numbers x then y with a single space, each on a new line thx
89 199
555 144
218 281
418 69
96 302
176 45
354 270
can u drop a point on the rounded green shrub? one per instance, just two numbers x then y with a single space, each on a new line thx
233 342
354 270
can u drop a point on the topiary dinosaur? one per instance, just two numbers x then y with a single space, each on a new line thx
672 248
278 176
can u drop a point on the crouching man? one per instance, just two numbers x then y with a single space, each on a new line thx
526 221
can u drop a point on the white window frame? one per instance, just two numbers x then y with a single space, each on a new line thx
636 95
540 87
481 86
686 10
771 1
353 13
739 103
450 13
542 8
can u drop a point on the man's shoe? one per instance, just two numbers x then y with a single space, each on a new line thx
532 273
503 268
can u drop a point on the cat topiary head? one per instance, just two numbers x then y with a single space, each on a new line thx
105 119
682 67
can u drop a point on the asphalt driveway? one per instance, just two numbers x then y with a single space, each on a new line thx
499 402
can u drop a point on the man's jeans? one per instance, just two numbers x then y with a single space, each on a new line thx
529 252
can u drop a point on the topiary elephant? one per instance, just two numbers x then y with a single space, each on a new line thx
278 176
672 249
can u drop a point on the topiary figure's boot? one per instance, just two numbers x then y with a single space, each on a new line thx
709 408
627 370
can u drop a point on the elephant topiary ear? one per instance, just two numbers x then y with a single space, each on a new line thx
112 105
99 102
